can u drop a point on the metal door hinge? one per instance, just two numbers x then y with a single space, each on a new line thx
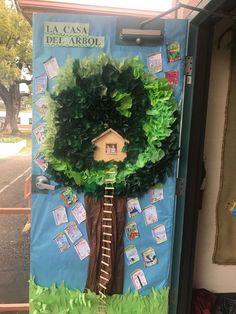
189 65
180 186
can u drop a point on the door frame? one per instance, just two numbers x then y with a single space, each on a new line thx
200 43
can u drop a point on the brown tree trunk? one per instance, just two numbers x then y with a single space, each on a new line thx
94 210
12 101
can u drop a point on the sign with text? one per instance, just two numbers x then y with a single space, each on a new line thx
70 35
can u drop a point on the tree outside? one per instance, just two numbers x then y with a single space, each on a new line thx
15 63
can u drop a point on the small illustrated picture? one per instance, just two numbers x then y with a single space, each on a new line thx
82 249
51 67
73 232
172 77
138 279
39 133
69 196
173 51
60 215
131 230
62 242
41 106
79 212
133 207
159 233
149 257
131 254
40 161
111 149
155 62
232 208
41 83
150 214
156 193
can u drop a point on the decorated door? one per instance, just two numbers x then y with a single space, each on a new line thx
106 121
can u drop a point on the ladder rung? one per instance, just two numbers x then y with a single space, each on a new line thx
108 256
106 248
109 196
109 180
110 171
108 234
104 263
109 188
107 219
106 241
105 272
107 204
107 211
103 304
106 279
106 226
102 294
101 285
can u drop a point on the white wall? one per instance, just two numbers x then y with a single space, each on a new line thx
208 275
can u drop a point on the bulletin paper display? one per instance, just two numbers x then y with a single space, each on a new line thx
54 257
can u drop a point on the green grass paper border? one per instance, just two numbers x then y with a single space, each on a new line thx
61 300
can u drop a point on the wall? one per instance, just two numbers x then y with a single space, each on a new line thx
208 275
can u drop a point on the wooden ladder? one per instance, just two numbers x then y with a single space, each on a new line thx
104 274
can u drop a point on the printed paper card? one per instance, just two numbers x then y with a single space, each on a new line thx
131 230
156 193
232 208
155 62
73 232
173 51
172 77
69 196
79 212
133 207
41 106
82 249
131 254
41 83
138 279
60 215
40 161
149 257
39 133
62 242
51 67
150 214
159 233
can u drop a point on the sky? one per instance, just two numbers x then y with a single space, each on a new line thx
150 5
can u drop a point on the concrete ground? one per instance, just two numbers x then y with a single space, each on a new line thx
14 245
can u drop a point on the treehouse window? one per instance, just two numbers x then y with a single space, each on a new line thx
111 149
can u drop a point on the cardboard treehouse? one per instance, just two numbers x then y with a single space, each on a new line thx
109 146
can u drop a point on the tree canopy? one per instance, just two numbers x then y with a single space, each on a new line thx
15 44
15 55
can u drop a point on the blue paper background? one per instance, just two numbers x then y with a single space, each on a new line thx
48 265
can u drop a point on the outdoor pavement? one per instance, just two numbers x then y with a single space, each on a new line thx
14 245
